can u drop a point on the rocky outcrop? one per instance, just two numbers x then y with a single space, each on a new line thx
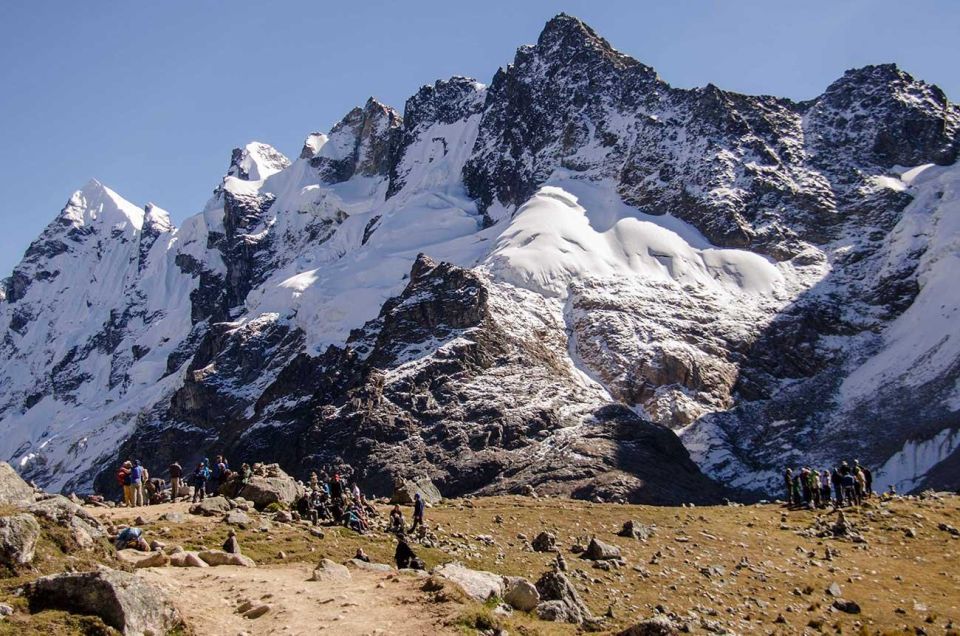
477 584
13 490
265 490
18 539
405 491
363 143
124 601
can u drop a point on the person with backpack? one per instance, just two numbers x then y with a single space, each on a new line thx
199 479
836 479
404 554
136 483
123 479
176 474
131 538
418 509
825 488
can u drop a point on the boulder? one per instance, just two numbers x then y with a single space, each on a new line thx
13 490
330 571
636 530
404 491
63 512
278 487
560 601
131 556
544 542
849 607
370 567
600 551
187 560
157 559
479 584
219 557
18 539
238 518
123 601
211 507
520 593
173 517
656 626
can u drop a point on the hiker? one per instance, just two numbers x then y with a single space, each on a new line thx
136 482
396 519
355 492
123 478
861 483
353 521
199 479
318 506
837 480
219 475
302 506
849 485
797 497
175 470
404 556
231 545
418 507
131 538
868 481
367 507
361 556
154 490
788 482
336 487
242 478
825 488
815 487
314 481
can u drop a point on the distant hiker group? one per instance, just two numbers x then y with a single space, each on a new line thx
844 485
139 489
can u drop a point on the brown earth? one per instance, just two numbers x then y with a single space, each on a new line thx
739 569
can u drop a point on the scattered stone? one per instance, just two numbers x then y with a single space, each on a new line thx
478 584
372 567
834 590
636 530
850 607
656 626
945 527
238 518
173 517
211 507
520 593
330 571
219 557
123 601
283 516
600 551
256 612
187 560
154 560
560 601
530 491
545 542
18 539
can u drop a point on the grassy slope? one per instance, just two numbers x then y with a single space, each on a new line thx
900 583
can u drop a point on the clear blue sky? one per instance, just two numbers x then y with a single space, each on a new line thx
150 97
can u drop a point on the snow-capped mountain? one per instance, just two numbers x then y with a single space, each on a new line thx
530 282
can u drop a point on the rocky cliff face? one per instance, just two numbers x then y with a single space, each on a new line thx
528 282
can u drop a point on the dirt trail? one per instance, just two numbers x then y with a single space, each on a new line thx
369 603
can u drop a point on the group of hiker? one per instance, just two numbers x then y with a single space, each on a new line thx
330 500
845 485
139 489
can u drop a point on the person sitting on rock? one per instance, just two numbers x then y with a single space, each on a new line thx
361 556
367 507
352 520
131 537
404 554
397 523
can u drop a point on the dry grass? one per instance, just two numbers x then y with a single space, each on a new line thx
900 583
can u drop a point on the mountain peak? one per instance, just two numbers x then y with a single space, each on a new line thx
565 32
96 201
256 161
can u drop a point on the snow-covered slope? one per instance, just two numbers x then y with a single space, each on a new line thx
762 276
